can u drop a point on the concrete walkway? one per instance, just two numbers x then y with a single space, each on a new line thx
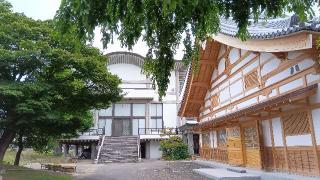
146 170
263 174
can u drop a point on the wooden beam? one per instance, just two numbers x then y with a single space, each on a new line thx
201 84
207 62
195 101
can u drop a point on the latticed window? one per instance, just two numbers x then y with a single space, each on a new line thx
251 80
222 137
296 123
206 140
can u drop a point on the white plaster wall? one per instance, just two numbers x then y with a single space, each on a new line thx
172 83
291 85
242 63
215 140
236 88
266 133
251 67
127 72
299 140
170 115
316 124
312 77
248 102
221 66
155 152
224 95
269 66
315 98
234 55
265 57
211 139
277 131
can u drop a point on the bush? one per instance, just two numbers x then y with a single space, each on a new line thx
174 149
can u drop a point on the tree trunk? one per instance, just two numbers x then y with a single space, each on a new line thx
20 148
5 140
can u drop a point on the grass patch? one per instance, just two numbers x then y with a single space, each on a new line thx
27 174
30 156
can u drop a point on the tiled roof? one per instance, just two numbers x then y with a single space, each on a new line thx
271 28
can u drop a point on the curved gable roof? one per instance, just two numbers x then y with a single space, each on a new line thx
123 57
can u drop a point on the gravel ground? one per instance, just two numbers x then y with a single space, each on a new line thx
146 170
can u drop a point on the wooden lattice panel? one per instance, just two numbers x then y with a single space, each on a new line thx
296 123
302 160
268 158
251 138
251 80
206 140
214 100
279 158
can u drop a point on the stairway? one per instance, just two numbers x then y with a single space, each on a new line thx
119 149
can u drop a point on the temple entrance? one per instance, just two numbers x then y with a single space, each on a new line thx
121 127
196 143
234 146
251 144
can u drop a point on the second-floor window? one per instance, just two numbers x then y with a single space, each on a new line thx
156 120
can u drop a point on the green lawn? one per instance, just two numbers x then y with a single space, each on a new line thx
30 156
27 157
27 174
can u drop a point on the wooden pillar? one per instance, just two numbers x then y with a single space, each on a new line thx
76 152
93 150
273 146
284 144
314 142
65 150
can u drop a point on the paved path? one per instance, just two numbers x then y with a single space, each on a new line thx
146 170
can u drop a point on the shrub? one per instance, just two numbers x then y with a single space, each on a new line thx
174 149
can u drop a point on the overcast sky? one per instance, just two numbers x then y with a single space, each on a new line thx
46 9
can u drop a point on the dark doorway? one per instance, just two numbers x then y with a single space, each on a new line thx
196 143
121 127
143 149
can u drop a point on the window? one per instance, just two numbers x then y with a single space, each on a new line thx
138 126
206 140
251 80
122 110
294 69
106 112
139 109
156 116
156 123
156 110
222 138
101 123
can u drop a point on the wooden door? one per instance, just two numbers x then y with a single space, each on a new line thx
121 127
251 144
234 146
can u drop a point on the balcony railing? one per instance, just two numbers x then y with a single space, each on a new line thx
94 132
157 131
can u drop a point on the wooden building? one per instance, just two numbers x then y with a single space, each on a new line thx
257 101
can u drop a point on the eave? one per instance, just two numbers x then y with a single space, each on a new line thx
198 82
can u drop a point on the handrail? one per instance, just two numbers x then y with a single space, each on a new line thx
94 132
99 150
149 131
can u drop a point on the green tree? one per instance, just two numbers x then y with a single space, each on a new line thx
48 83
162 24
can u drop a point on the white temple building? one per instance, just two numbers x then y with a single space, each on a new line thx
139 118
